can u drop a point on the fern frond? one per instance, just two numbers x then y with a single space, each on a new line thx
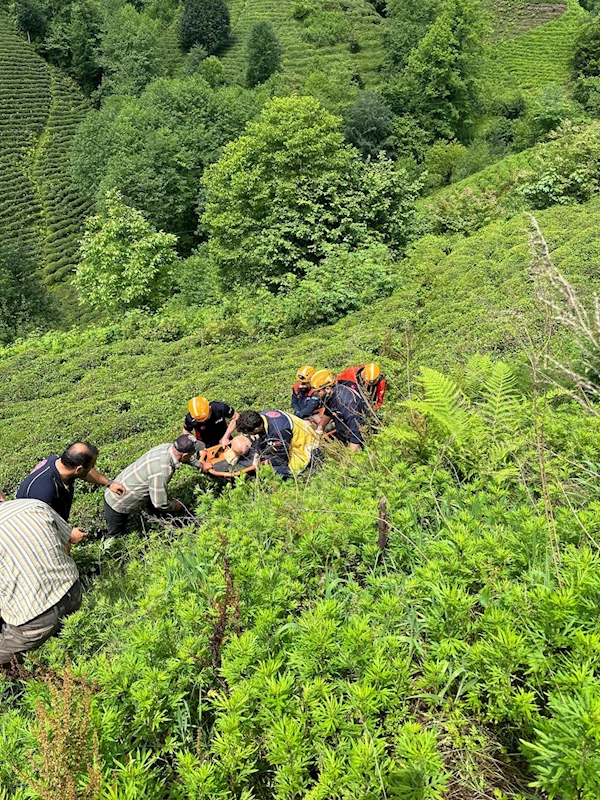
500 396
442 402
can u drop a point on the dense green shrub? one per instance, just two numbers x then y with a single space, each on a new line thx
367 124
125 263
586 57
24 302
264 53
131 53
154 148
439 86
205 23
289 187
406 25
31 18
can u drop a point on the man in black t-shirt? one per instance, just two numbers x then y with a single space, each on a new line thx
208 422
53 480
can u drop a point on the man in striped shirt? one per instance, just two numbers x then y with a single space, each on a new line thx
39 582
146 482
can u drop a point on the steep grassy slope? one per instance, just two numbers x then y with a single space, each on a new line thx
539 56
40 110
302 57
459 296
273 644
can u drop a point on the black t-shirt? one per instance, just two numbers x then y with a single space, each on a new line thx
213 429
44 483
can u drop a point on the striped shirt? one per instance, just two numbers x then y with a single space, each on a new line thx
146 481
35 568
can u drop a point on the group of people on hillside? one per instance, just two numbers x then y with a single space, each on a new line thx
39 581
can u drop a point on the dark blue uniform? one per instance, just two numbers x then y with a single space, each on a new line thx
44 483
212 430
275 443
304 402
349 411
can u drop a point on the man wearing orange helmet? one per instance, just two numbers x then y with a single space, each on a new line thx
344 405
304 402
369 380
208 422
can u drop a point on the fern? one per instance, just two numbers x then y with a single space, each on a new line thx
500 396
443 403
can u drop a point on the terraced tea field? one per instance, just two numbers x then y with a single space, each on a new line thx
541 55
24 106
301 57
40 110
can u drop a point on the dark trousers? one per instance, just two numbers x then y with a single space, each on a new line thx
116 522
16 640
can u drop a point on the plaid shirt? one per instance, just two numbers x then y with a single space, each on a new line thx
35 568
146 481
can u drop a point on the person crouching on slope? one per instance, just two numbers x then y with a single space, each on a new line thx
286 441
344 405
146 482
208 422
369 380
39 582
304 401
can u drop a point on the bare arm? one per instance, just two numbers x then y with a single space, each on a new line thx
230 429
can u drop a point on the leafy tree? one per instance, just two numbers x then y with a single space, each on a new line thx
125 262
284 191
264 53
84 36
204 22
439 86
154 148
131 52
407 24
24 303
586 56
368 124
31 18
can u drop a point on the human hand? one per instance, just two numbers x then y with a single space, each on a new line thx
118 488
77 535
225 441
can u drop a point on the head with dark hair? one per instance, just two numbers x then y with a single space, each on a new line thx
249 422
80 458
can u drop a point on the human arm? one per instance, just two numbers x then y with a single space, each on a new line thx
324 422
230 429
2 497
99 479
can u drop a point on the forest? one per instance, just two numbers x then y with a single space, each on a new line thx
196 198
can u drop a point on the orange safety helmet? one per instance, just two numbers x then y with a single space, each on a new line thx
199 409
322 379
305 373
371 373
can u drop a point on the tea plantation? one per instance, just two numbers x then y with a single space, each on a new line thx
418 620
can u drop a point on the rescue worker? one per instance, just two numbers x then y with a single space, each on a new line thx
304 402
208 422
344 405
53 480
286 441
370 381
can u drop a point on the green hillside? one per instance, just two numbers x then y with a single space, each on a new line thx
538 56
41 110
301 57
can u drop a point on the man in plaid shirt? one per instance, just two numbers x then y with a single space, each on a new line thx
146 482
